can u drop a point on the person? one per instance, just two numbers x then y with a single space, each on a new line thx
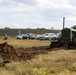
5 37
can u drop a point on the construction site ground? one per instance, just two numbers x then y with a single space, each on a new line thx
8 53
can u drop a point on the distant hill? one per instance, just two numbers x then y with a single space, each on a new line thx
14 32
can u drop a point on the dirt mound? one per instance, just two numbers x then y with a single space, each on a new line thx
9 53
29 53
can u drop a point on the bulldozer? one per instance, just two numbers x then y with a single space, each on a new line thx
67 40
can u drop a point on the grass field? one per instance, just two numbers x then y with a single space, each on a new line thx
25 43
61 62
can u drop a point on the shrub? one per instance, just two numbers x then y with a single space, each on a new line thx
41 71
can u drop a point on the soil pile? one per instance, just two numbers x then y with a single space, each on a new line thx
29 53
9 53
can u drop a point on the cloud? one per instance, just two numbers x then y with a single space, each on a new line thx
17 9
20 15
30 2
17 2
72 2
5 2
37 13
4 24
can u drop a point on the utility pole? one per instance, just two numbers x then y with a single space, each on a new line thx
63 22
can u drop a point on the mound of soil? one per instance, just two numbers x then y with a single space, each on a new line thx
9 53
29 53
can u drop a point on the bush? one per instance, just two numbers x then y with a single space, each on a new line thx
42 71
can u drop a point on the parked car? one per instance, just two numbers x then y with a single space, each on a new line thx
20 36
38 37
58 35
26 36
47 36
50 36
43 36
29 36
32 35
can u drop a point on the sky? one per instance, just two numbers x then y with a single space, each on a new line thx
37 13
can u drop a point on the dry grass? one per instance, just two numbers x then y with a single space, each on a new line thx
25 43
61 62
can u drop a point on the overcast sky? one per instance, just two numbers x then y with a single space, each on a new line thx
37 13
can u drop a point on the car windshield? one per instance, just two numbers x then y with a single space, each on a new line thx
31 34
21 34
51 34
26 35
45 34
